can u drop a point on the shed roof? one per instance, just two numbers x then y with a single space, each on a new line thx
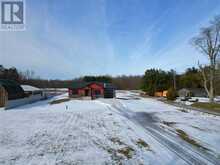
13 89
28 88
77 85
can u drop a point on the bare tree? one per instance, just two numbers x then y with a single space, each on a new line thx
28 74
208 42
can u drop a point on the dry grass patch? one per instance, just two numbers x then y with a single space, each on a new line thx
126 151
183 135
119 155
143 144
59 101
208 106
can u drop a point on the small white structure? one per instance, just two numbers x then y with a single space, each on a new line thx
31 90
31 95
192 92
184 92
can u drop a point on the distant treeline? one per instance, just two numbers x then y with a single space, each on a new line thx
28 77
153 80
159 80
121 82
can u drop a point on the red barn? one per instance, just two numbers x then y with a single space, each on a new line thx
92 89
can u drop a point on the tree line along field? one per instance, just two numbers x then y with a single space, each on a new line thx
153 79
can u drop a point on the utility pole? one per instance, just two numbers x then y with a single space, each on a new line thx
174 79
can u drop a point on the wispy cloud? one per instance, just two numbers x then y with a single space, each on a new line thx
70 39
55 51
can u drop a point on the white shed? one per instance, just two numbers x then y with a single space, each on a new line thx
31 90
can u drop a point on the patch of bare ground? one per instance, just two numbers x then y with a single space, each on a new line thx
169 123
115 157
126 151
59 101
183 135
183 110
141 143
208 106
118 155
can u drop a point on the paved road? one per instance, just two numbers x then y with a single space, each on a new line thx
182 149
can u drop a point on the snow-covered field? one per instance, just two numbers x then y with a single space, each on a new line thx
97 132
202 127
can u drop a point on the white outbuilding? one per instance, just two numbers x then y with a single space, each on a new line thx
32 91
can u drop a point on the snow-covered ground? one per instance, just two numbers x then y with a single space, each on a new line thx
202 127
96 132
74 132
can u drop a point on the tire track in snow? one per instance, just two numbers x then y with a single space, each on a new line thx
96 140
63 139
185 152
57 131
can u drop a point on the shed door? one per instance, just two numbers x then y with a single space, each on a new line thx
3 97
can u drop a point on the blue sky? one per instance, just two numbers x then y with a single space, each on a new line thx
71 38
